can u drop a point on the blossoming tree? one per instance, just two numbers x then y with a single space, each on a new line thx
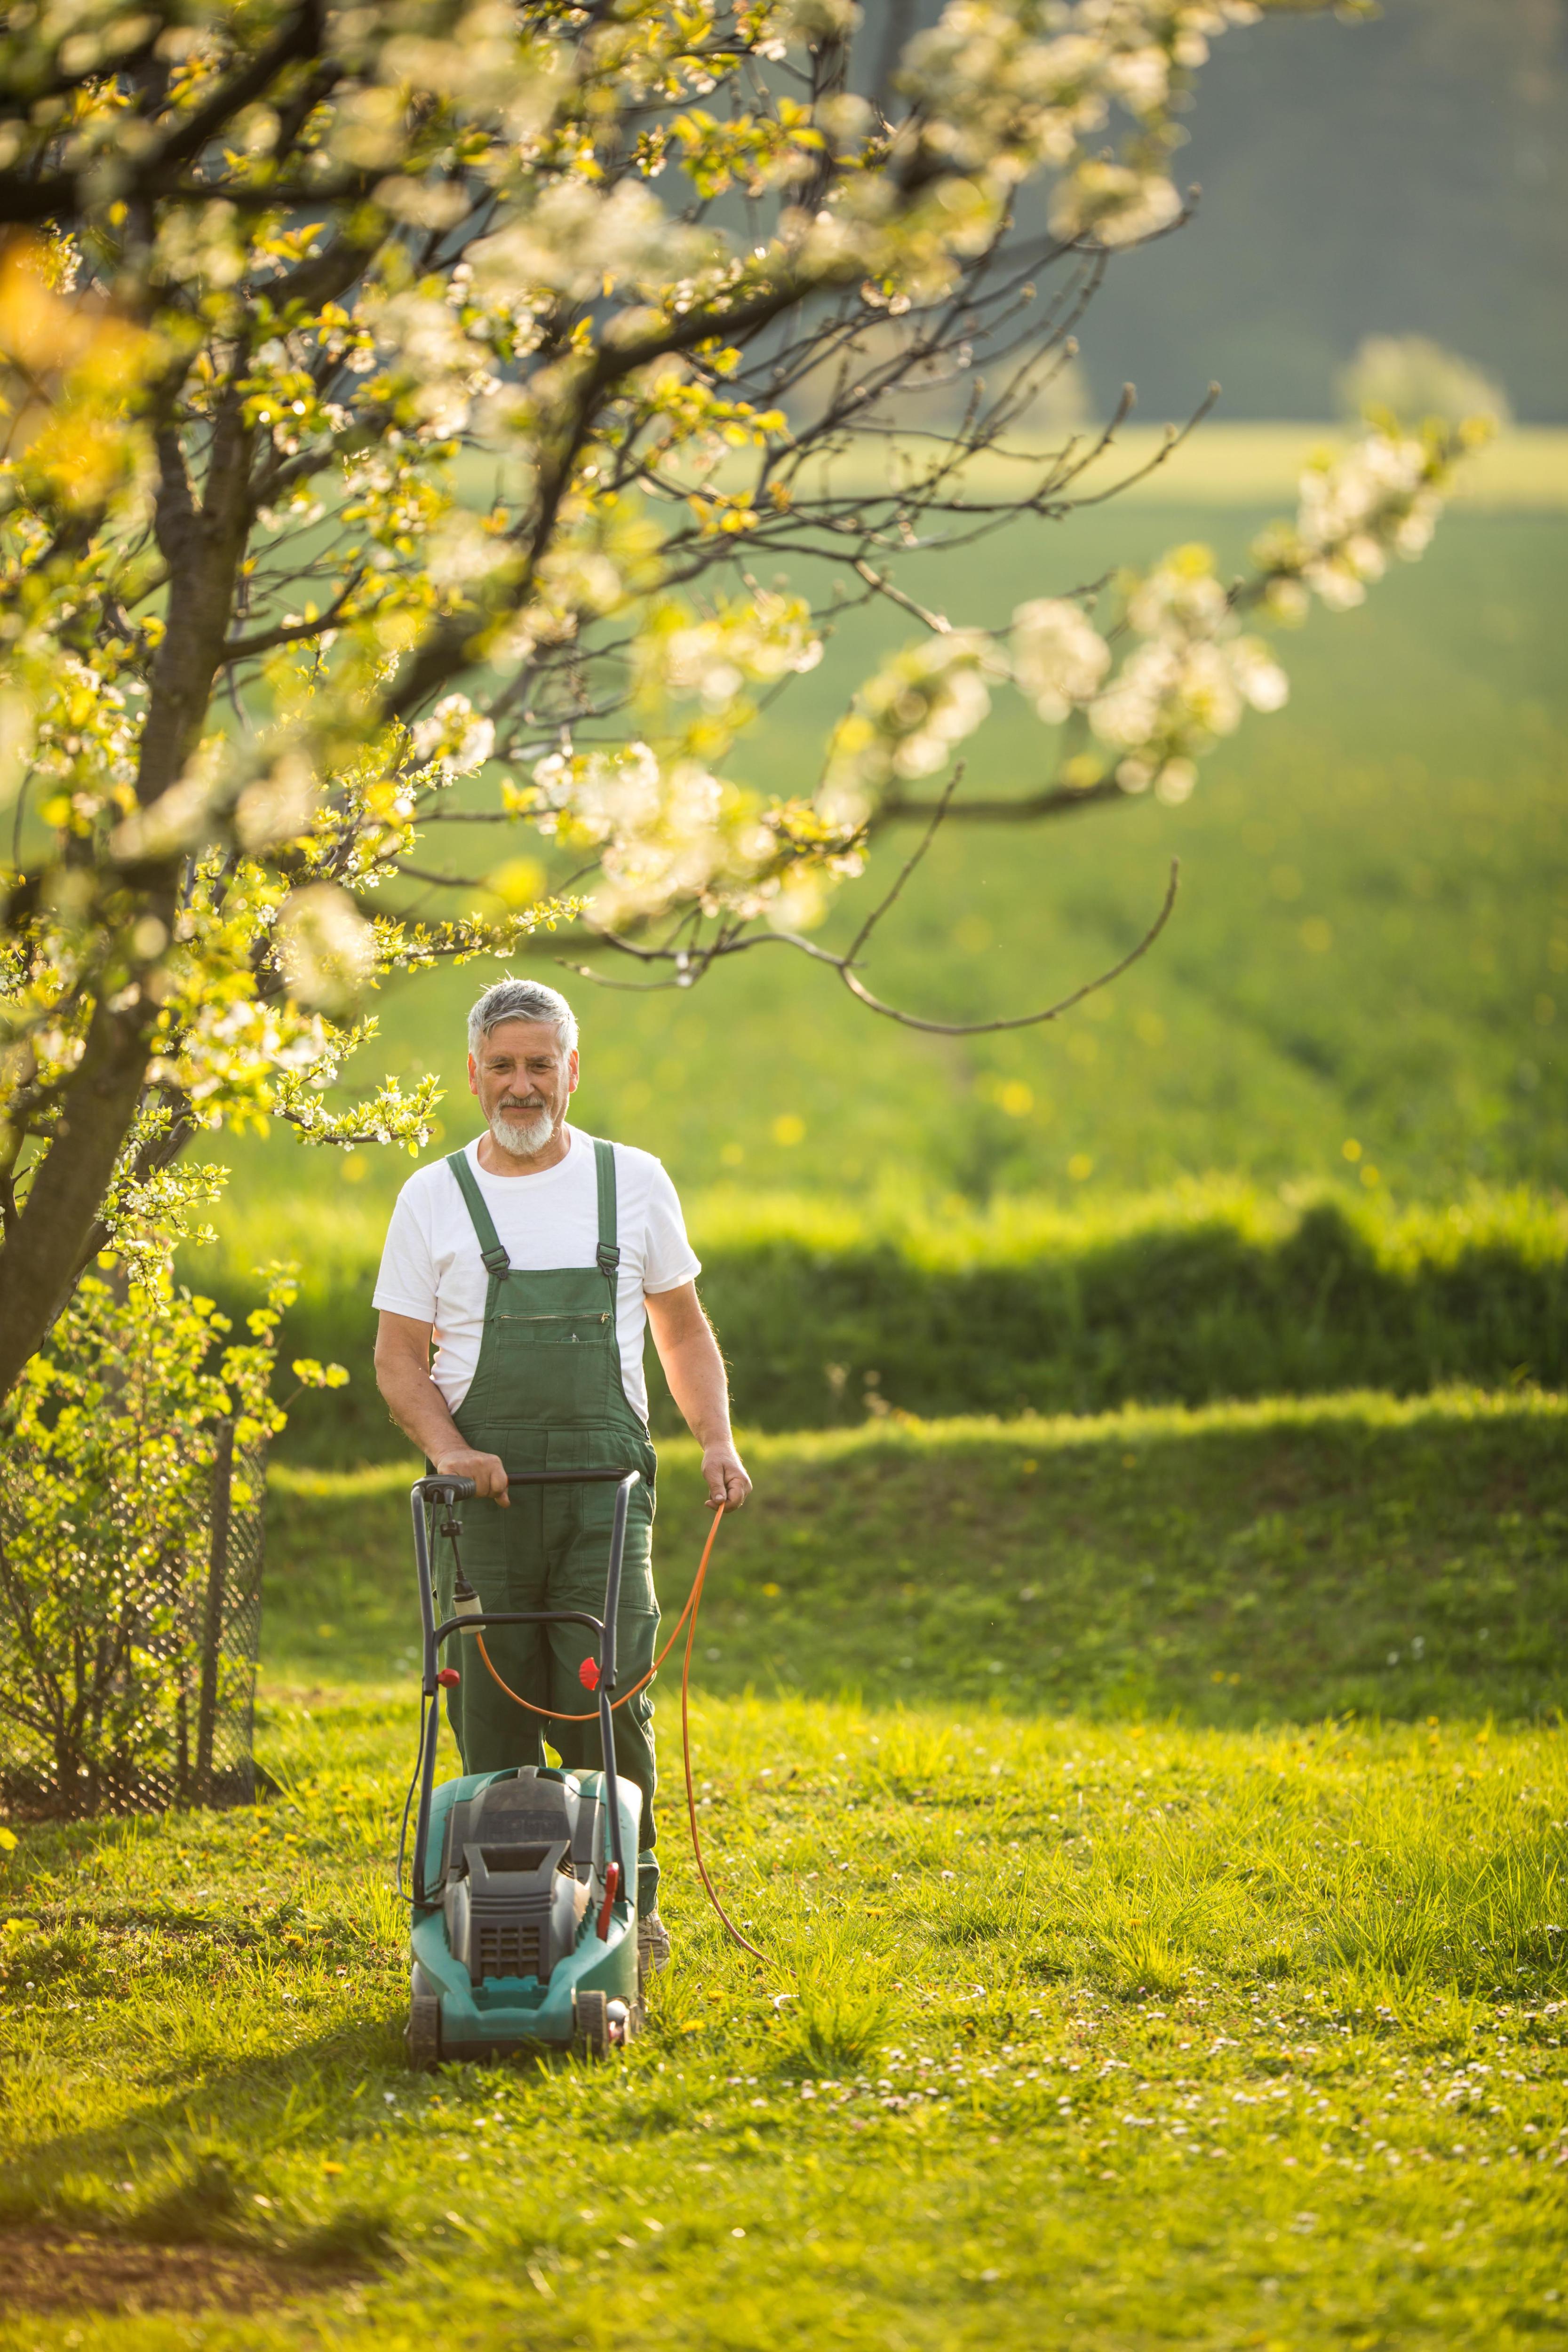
402 402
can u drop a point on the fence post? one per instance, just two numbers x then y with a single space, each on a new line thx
212 1615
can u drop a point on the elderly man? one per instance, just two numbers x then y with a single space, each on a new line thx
535 1258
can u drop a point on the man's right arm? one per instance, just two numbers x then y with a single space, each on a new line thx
417 1406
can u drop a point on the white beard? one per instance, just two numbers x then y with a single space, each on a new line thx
523 1138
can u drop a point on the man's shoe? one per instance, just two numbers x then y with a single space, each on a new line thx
653 1946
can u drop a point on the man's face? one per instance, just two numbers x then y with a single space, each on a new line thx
524 1082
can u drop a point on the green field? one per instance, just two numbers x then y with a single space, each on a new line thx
1158 1828
1362 999
1363 990
1370 947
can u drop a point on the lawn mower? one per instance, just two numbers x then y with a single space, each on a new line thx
524 1916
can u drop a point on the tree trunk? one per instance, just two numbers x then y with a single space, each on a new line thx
202 545
65 1192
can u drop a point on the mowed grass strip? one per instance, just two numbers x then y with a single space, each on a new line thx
1073 2034
1234 1565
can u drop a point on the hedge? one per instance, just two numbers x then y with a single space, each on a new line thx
827 1313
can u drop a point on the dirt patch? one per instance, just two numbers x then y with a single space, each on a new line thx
60 2269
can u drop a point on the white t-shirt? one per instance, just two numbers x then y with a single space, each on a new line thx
431 1268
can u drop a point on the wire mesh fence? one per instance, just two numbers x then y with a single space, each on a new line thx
130 1612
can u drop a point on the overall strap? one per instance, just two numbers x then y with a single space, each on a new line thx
608 1254
497 1263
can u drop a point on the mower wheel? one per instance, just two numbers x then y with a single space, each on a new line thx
592 2024
422 2033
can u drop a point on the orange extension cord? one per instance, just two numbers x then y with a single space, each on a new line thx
688 1618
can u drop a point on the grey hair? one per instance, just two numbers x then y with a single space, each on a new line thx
522 1000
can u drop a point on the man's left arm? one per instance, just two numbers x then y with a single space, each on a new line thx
695 1371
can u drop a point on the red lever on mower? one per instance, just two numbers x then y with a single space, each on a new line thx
612 1888
448 1677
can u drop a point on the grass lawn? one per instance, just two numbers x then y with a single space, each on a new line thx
1158 1825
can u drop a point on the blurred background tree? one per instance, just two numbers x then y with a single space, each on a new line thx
1412 180
1410 375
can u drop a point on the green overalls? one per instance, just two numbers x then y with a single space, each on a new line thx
547 1395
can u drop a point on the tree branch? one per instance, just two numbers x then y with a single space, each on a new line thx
445 651
905 872
1020 1019
692 962
1055 800
289 633
27 201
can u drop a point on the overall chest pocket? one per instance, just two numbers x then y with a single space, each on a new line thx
558 1330
555 1362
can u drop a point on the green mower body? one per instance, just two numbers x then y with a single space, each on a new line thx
488 1998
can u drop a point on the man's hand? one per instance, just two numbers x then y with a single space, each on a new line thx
488 1472
724 1474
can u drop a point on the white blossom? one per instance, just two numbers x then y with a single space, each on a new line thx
908 718
325 948
1059 658
278 806
1354 508
456 736
756 643
1188 683
573 237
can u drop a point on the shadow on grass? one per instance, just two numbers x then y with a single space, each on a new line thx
1237 1565
198 2158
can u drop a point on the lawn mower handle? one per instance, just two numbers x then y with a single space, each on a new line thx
440 1489
437 1489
